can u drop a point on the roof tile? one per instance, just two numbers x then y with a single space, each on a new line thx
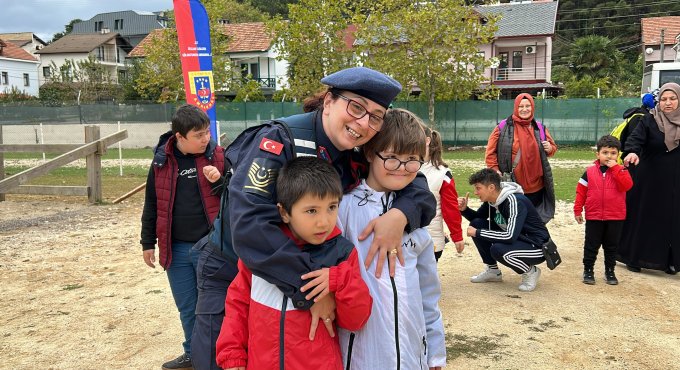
12 51
651 29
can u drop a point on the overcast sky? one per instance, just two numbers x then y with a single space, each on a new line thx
47 17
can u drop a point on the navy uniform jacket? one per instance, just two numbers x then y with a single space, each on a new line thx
256 235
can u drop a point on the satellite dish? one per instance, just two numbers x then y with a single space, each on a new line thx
649 51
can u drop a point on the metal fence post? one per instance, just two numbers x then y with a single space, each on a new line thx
455 122
597 118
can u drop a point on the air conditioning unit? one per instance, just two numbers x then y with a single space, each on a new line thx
531 49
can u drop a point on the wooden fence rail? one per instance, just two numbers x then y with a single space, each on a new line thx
93 150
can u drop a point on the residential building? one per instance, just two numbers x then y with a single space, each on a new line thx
522 47
28 41
250 50
18 69
109 49
131 25
653 31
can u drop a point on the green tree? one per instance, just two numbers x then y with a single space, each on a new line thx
250 90
431 44
595 56
312 42
159 75
272 7
67 29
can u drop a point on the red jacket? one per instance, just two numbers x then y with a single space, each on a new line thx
263 330
165 175
604 195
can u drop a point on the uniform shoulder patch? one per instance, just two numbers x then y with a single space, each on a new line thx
271 146
262 176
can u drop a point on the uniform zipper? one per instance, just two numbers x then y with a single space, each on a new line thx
396 321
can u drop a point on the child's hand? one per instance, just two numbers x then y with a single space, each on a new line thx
463 201
611 163
211 173
320 282
149 257
579 219
460 245
471 231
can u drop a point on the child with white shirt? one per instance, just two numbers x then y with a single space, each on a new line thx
405 329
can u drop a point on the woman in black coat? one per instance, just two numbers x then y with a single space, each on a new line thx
651 233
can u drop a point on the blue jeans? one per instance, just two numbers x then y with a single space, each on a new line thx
182 278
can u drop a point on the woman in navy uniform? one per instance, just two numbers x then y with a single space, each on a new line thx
345 116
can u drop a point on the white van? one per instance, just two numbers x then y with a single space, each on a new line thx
658 74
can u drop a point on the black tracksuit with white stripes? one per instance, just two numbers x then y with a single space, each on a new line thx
510 232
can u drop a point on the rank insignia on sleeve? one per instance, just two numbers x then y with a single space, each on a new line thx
262 177
271 146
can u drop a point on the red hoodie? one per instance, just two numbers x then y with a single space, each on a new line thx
263 330
603 194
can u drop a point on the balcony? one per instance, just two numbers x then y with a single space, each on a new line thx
519 74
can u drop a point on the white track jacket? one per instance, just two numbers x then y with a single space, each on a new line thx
405 329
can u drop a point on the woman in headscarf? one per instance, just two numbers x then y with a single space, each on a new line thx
518 149
651 233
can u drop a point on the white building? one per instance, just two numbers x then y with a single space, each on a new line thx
18 70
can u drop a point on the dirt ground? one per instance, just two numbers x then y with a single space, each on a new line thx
77 295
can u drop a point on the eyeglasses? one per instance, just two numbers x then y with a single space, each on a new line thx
358 111
393 164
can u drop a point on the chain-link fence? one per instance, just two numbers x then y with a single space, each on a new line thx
572 121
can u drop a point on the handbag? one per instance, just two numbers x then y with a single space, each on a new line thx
552 257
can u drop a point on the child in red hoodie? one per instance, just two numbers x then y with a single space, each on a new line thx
602 190
262 329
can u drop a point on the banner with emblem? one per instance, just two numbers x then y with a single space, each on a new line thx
195 53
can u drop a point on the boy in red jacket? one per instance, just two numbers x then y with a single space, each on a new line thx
602 190
262 329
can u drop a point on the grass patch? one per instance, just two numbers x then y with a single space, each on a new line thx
111 153
565 177
458 345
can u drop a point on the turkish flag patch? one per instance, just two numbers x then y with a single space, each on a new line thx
271 146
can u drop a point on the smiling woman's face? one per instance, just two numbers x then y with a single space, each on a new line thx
668 101
343 130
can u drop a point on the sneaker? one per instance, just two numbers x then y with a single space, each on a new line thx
610 277
588 276
488 275
530 279
182 362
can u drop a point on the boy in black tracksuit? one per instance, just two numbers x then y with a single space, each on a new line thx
506 229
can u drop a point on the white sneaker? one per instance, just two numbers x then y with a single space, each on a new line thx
487 276
530 279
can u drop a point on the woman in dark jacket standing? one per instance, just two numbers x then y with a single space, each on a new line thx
651 233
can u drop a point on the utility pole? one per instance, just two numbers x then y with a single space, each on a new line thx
661 47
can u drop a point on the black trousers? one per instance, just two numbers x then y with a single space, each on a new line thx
605 234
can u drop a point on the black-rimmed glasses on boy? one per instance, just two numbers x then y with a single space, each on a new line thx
392 164
358 111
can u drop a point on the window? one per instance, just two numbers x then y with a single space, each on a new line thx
118 24
502 66
5 78
255 71
517 60
46 72
27 80
100 53
98 26
122 75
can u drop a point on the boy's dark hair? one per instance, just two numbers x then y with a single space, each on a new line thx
486 177
608 141
402 133
189 117
306 175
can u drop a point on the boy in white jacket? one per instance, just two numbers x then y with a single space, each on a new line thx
405 329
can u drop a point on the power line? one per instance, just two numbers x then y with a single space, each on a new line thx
617 7
614 16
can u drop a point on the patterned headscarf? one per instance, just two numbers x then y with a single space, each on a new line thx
668 123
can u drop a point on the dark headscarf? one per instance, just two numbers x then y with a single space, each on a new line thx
668 123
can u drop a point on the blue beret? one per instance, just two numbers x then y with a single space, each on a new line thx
365 82
648 101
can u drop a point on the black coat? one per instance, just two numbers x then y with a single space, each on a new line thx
651 233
